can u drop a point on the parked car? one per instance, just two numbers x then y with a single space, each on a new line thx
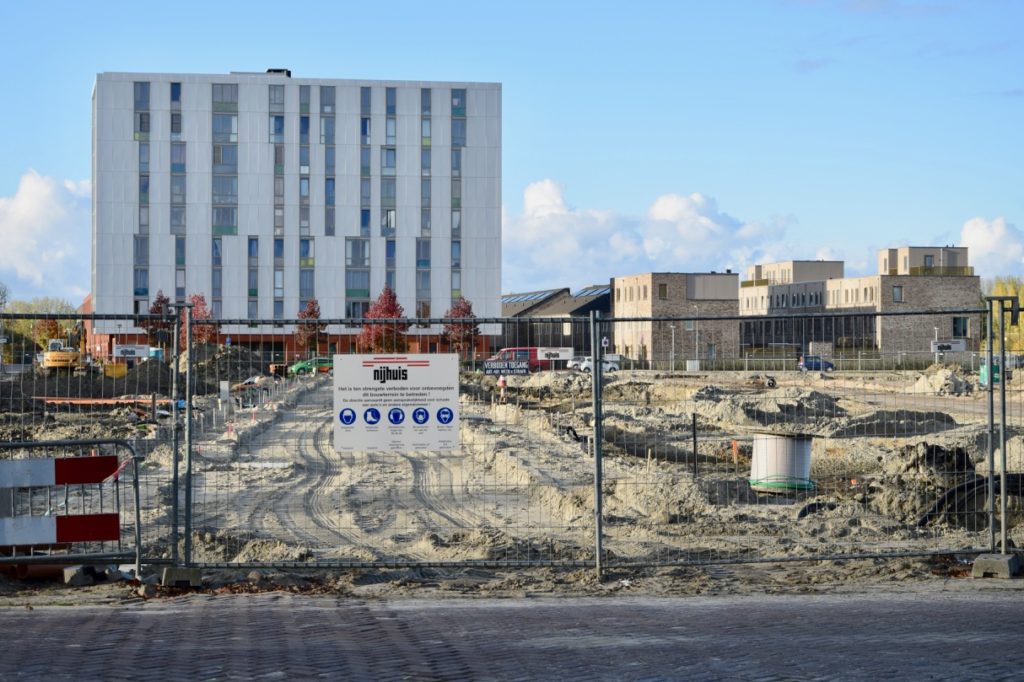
576 361
814 363
322 365
587 365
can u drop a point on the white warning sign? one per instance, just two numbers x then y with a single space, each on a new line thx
396 402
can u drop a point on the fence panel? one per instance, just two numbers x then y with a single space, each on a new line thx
713 458
269 488
83 381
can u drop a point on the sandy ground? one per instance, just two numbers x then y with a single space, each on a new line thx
270 489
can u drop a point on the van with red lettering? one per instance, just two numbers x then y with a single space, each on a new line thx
519 360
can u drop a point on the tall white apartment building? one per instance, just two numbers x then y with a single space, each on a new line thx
261 191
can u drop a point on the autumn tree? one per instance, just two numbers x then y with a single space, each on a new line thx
385 337
462 329
201 333
159 330
44 330
1007 286
306 333
41 306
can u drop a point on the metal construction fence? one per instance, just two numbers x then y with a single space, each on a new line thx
707 440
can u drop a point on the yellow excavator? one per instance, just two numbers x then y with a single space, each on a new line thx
69 355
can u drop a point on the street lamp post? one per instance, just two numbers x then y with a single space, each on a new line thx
936 345
696 333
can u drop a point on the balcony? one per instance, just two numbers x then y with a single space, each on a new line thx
943 271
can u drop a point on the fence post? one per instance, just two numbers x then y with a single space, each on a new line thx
1002 423
596 356
176 436
991 430
189 347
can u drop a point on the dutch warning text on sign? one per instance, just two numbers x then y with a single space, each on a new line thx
396 402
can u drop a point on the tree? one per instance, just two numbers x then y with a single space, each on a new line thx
386 337
201 333
41 307
44 330
1007 286
306 333
460 332
159 331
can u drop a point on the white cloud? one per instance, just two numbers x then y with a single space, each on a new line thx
553 245
995 247
46 234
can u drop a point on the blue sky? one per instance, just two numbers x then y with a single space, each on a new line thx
638 136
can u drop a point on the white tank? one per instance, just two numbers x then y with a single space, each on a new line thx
781 463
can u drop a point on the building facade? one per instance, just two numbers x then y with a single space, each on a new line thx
261 191
817 304
690 296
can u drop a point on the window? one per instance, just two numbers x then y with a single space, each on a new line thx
458 132
364 161
425 132
179 283
389 253
357 253
141 96
357 283
329 160
175 126
141 250
456 285
278 248
225 189
364 222
276 97
425 192
329 221
278 310
364 101
456 163
225 95
423 284
356 309
177 157
425 161
456 193
142 124
389 101
456 254
225 158
141 282
304 99
364 130
387 222
387 160
897 294
389 279
961 328
216 280
177 189
425 221
215 252
278 283
329 191
177 219
225 128
390 126
387 192
304 160
144 156
425 101
304 188
254 310
305 248
278 190
276 129
458 101
175 95
326 99
306 286
254 247
327 130
143 189
423 253
304 130
456 223
423 310
179 251
663 292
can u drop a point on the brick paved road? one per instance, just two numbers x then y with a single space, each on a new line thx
279 636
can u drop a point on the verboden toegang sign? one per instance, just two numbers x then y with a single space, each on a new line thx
396 403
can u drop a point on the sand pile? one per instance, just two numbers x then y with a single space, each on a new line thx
940 380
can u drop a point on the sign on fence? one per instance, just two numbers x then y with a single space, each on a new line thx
396 402
949 346
554 353
128 350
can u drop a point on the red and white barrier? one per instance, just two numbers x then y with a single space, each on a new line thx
44 530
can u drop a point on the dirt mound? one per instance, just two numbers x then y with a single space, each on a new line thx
916 475
942 380
213 364
893 423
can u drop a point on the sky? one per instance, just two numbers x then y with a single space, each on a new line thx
675 136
